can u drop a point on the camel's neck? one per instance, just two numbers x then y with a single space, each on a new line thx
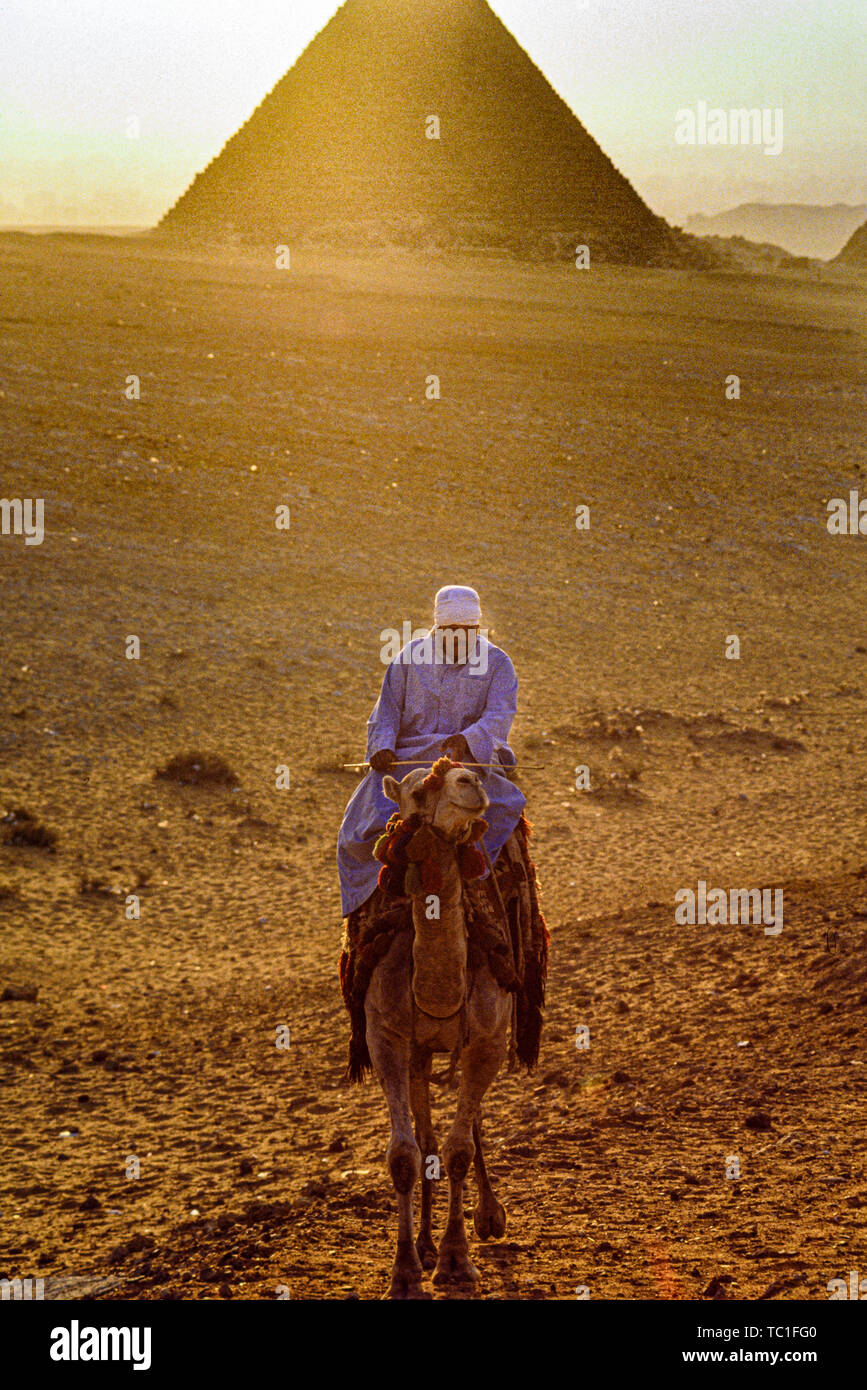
440 948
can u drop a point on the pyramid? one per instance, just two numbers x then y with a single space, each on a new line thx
854 253
339 152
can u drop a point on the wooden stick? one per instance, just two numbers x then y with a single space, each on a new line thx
426 762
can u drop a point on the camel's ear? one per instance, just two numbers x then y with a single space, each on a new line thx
391 789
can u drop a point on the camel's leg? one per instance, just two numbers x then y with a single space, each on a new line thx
489 1217
480 1063
419 1093
390 1056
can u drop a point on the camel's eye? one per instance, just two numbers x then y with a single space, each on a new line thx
464 780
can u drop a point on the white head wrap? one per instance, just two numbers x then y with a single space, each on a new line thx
457 605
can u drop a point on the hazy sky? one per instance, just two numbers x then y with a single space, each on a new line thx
79 78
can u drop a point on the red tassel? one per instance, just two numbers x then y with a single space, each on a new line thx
434 780
472 863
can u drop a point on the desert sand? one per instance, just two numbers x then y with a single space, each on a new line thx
261 1172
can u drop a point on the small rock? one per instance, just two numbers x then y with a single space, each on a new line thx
557 1078
759 1119
314 1189
717 1286
140 1242
19 994
637 1114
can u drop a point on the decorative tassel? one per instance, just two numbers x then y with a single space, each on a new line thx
471 862
390 880
434 780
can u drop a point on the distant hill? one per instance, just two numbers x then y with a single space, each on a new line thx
802 229
854 253
73 229
422 126
736 253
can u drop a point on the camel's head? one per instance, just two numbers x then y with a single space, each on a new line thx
449 797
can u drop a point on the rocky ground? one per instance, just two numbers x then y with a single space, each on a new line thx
261 1173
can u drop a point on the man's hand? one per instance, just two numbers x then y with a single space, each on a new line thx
383 761
456 748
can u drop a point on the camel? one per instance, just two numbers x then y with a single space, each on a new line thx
417 1004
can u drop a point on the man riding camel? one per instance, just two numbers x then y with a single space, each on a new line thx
449 692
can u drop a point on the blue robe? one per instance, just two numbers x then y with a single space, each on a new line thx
418 708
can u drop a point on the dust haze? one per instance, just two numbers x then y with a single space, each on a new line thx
260 1172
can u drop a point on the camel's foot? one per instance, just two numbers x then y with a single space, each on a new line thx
427 1251
407 1273
401 1287
455 1267
489 1219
